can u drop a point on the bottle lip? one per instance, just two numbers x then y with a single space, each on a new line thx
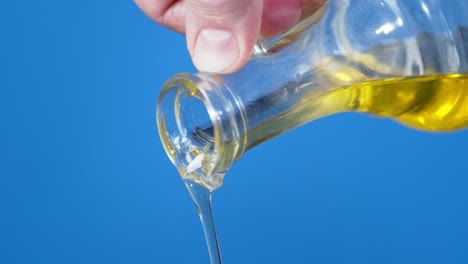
201 151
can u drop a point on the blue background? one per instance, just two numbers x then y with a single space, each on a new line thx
84 178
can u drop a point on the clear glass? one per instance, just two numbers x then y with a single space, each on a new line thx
389 58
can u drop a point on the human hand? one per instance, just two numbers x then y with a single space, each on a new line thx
222 33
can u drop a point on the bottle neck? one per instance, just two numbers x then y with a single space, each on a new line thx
277 97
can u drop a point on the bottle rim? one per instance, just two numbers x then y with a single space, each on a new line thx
201 125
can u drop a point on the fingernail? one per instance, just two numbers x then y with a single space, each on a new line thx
215 50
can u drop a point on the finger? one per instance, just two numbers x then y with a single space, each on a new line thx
221 33
169 13
281 15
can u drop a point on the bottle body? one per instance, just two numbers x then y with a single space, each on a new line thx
407 61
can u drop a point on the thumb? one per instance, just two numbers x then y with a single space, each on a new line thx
221 33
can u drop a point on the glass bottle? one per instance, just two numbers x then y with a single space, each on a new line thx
407 60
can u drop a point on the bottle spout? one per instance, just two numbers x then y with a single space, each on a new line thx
201 127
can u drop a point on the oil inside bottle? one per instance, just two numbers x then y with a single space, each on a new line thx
435 103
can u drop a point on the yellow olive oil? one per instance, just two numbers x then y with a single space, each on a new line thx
433 103
436 103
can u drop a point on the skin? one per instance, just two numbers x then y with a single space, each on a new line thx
221 33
